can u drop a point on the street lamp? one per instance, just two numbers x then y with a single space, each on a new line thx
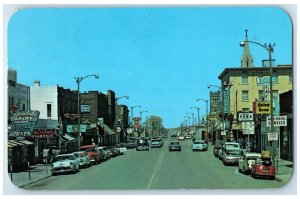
122 97
198 110
141 115
222 98
132 113
206 104
78 80
189 120
269 48
192 117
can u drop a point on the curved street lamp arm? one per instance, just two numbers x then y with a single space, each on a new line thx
264 46
79 79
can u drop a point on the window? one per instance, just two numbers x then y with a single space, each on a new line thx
48 110
244 79
275 78
261 95
245 109
244 95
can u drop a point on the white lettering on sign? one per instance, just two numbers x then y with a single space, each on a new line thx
272 136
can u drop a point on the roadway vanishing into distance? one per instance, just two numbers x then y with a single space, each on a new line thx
157 169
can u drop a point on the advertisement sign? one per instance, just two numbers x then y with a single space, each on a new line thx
136 122
277 120
226 100
43 133
23 123
248 128
263 107
245 117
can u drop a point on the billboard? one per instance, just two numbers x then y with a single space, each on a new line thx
263 107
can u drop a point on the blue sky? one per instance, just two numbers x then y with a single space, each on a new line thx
162 58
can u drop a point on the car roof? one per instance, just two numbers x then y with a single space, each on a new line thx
252 154
87 146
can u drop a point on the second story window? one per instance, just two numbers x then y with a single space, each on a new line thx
244 95
244 79
48 110
261 95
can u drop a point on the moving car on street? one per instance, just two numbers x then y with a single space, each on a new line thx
174 146
246 162
155 143
181 137
199 145
142 144
64 163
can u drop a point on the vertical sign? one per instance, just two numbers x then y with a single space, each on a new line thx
226 100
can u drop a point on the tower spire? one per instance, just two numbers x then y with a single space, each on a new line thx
247 59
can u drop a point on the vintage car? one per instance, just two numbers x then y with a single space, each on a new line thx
174 146
93 153
64 163
155 143
83 158
181 137
246 162
199 145
263 167
231 157
142 144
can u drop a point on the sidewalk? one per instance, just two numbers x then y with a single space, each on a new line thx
37 172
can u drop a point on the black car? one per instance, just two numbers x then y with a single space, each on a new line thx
174 146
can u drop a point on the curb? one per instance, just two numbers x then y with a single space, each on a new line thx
33 181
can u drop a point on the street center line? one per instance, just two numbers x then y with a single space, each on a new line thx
154 171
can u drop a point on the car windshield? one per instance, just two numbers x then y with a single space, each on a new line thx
63 157
174 143
252 158
232 145
154 140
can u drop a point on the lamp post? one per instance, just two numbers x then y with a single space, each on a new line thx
193 119
78 80
198 111
122 97
189 120
206 105
269 48
222 98
141 112
132 113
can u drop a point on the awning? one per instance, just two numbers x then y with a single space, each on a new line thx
26 142
14 143
107 130
66 138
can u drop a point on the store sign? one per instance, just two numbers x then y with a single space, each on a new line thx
44 133
263 107
23 123
226 100
248 128
244 117
28 116
277 120
75 129
272 136
85 108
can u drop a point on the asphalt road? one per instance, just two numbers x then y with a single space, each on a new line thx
157 169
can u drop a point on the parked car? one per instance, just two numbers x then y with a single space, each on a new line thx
174 146
155 143
188 136
83 158
93 152
181 137
131 145
199 145
232 157
104 153
263 167
122 148
64 163
246 162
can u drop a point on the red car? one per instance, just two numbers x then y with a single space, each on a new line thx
263 168
93 153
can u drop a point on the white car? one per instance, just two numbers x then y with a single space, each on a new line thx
231 157
199 145
248 159
83 158
181 137
64 163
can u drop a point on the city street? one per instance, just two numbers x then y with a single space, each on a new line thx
157 169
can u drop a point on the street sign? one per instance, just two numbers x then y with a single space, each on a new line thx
277 120
272 136
248 127
245 117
